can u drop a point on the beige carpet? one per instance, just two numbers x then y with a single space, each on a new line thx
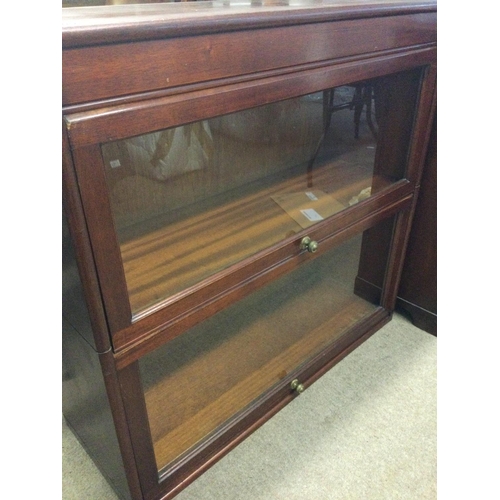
365 430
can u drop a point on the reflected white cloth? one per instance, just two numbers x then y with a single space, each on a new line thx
162 155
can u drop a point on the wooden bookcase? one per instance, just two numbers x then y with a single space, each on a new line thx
239 183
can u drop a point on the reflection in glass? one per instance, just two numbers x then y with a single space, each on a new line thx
192 200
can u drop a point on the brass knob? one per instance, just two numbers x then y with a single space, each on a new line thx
308 244
296 386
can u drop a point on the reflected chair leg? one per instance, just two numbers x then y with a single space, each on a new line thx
358 109
368 101
327 108
328 96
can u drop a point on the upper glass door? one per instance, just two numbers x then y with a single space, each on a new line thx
193 200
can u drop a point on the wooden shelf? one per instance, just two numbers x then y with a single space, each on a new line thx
175 252
208 375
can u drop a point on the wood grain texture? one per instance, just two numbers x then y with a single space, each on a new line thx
95 199
210 373
171 319
170 259
114 122
133 70
78 256
114 24
190 431
229 436
170 63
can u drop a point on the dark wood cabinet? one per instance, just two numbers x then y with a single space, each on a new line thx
239 183
417 295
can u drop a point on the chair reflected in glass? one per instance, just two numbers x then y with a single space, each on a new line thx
355 97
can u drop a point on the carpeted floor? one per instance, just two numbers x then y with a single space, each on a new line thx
364 431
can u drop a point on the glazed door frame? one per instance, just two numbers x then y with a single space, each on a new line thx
86 130
174 477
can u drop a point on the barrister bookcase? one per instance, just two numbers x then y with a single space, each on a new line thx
239 182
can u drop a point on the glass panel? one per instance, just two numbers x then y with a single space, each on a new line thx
199 380
193 200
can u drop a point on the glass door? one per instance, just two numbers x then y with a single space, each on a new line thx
207 377
191 201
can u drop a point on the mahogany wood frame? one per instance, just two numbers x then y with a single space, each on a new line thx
112 91
92 183
417 294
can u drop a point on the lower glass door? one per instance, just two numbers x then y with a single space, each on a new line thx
207 376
